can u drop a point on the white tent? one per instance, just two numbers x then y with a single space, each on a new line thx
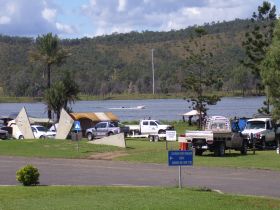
192 113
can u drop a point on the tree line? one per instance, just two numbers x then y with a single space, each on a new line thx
121 63
199 60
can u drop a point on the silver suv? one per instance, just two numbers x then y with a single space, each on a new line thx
102 129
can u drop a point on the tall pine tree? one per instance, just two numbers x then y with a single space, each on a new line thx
257 42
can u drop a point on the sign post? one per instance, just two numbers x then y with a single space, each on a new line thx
180 158
77 129
170 136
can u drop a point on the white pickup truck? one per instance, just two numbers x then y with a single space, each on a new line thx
217 137
261 130
151 129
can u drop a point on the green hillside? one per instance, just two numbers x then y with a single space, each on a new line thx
121 63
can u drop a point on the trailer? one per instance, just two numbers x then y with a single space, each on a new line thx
151 136
151 129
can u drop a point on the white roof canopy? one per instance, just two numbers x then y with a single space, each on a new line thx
192 113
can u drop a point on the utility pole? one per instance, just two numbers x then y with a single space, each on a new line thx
153 69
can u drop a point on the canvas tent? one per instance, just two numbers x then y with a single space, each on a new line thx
192 113
89 119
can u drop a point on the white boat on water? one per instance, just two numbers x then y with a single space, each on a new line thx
125 107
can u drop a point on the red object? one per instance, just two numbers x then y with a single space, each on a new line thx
183 146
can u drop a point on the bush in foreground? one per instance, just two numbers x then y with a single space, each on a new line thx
28 175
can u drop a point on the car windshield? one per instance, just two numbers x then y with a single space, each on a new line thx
157 122
41 128
218 125
255 124
112 125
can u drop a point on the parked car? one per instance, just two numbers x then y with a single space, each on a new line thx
262 130
218 136
151 129
41 132
3 133
102 129
123 128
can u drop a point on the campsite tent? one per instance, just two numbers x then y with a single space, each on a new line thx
192 113
89 119
193 116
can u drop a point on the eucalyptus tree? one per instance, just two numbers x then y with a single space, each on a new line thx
48 51
201 77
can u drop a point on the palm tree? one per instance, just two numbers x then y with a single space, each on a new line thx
61 94
49 53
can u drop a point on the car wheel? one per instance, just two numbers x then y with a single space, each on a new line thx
263 145
42 137
244 147
161 132
110 134
156 138
21 137
198 152
220 149
89 136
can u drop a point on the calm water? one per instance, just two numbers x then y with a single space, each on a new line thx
161 109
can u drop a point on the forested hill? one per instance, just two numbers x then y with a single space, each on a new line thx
121 63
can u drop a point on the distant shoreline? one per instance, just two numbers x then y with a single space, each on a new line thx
14 99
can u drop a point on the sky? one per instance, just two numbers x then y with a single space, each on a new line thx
90 18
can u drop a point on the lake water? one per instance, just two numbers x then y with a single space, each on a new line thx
161 109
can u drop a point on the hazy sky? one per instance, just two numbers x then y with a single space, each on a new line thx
79 18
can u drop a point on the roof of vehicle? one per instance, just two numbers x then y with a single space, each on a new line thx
40 120
37 126
260 119
218 117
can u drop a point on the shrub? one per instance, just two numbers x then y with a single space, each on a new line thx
28 175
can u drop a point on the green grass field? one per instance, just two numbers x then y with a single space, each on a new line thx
138 150
155 152
58 197
51 148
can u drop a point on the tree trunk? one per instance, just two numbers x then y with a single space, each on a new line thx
49 86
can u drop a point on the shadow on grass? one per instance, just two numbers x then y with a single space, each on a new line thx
232 155
88 151
130 148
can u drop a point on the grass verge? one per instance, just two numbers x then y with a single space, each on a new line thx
51 148
58 197
155 152
138 150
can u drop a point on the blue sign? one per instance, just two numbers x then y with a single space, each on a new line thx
180 158
77 126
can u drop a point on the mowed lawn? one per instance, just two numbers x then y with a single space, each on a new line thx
138 150
73 197
155 152
51 148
